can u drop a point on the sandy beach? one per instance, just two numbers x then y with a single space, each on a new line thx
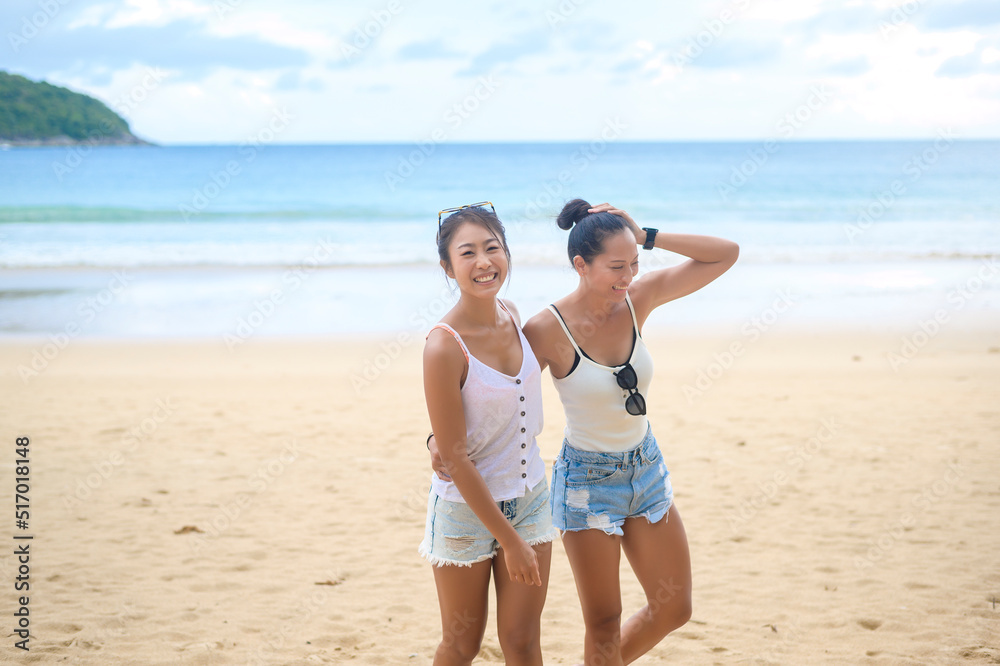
196 505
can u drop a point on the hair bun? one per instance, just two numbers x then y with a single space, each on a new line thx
572 212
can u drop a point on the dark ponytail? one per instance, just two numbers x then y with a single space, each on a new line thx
587 231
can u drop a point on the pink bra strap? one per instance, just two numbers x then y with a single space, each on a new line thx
455 335
505 309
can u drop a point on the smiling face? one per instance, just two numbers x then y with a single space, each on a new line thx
477 260
611 272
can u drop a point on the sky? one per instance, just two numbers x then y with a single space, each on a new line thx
313 71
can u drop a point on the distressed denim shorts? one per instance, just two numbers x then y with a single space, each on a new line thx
455 535
592 490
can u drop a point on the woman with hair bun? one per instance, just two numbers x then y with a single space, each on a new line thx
611 489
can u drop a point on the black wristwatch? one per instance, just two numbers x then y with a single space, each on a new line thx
650 238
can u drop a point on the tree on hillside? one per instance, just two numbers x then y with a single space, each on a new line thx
31 110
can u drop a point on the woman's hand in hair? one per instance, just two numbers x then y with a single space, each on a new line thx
640 235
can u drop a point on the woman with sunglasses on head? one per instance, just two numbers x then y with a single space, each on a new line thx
611 489
488 509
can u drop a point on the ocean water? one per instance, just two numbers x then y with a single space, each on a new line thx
330 239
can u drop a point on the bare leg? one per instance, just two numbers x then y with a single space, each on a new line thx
659 557
595 557
519 610
463 594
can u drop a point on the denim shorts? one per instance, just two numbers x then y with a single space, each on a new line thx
592 490
455 535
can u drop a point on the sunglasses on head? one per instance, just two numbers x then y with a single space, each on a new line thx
458 208
635 404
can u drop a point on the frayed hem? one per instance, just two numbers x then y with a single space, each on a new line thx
548 538
445 562
664 516
616 530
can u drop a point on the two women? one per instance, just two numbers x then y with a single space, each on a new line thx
611 490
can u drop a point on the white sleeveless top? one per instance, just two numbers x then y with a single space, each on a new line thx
594 404
503 416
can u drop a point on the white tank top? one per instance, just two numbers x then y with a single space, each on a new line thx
594 404
503 416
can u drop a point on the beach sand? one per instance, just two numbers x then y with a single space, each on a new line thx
196 505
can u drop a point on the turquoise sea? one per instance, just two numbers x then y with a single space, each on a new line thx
291 240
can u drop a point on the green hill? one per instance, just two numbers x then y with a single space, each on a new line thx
40 114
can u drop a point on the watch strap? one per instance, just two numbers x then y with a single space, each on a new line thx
650 238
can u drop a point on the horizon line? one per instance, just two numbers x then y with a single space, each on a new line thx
497 142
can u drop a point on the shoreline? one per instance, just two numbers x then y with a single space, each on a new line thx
303 301
530 262
63 141
974 326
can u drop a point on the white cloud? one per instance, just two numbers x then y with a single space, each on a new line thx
156 12
782 11
93 15
276 28
559 82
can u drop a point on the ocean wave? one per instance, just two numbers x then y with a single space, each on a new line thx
112 215
358 257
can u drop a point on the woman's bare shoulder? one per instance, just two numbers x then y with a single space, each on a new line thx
509 304
541 327
442 346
